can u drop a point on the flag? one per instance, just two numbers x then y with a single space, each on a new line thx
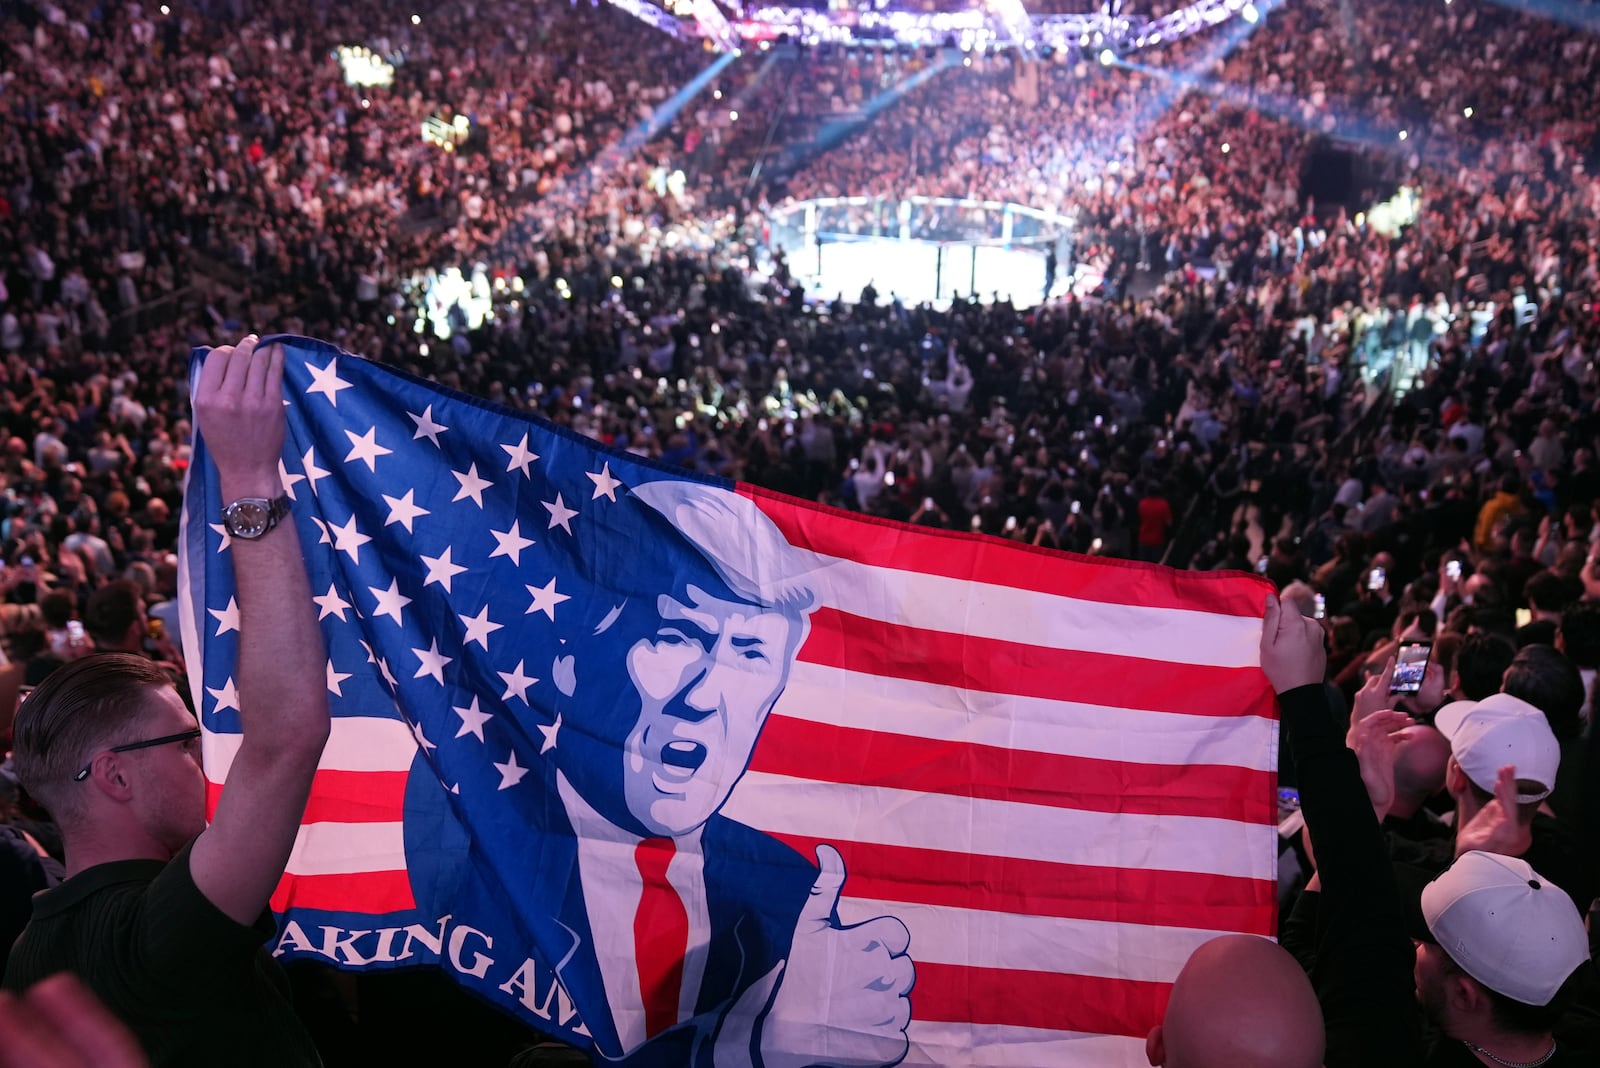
606 732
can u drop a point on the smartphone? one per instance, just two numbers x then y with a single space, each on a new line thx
927 504
1376 578
1261 566
1322 607
1410 665
1076 507
1011 523
1452 568
1524 617
75 633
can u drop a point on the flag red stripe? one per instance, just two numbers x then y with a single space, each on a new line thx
807 750
873 647
978 558
1045 1000
373 892
1070 891
346 797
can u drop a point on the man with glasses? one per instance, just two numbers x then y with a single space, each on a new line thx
161 915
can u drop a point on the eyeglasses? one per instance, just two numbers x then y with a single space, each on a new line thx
186 736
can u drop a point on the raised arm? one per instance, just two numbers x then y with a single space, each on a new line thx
1362 973
239 858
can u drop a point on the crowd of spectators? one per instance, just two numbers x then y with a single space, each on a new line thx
1398 428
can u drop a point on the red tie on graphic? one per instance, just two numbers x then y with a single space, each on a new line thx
660 936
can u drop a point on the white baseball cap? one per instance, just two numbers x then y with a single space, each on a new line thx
1506 926
1487 735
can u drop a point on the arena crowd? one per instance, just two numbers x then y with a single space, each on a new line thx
1397 426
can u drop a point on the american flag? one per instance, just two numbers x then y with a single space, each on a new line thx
1058 772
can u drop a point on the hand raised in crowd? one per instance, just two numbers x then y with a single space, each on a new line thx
238 405
1292 648
1374 694
1497 827
1375 740
59 1023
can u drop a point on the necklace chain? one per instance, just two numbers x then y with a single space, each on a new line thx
1512 1064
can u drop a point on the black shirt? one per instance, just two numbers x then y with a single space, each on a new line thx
194 986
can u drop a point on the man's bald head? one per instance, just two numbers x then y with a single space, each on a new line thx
1240 1002
1419 765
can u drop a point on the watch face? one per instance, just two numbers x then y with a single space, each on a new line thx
247 518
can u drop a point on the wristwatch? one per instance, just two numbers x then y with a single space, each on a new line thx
251 517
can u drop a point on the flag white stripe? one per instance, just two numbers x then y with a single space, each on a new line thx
348 849
878 815
841 698
973 938
935 1044
881 816
836 697
355 743
960 606
939 934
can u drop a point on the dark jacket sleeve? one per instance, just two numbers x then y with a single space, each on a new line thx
1363 955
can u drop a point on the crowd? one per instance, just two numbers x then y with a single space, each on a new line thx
1398 428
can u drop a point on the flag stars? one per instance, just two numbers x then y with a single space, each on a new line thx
388 676
441 569
604 484
322 530
545 599
336 680
331 604
511 772
516 683
228 695
422 741
326 380
560 514
433 662
520 457
426 427
511 543
549 733
479 627
347 539
227 539
471 485
365 447
287 480
314 474
390 601
472 720
227 618
403 510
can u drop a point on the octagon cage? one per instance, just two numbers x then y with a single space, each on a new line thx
927 249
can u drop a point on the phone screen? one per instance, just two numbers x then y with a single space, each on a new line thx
1322 606
1376 578
1453 569
1410 665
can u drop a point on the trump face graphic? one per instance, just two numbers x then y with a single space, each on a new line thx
657 742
